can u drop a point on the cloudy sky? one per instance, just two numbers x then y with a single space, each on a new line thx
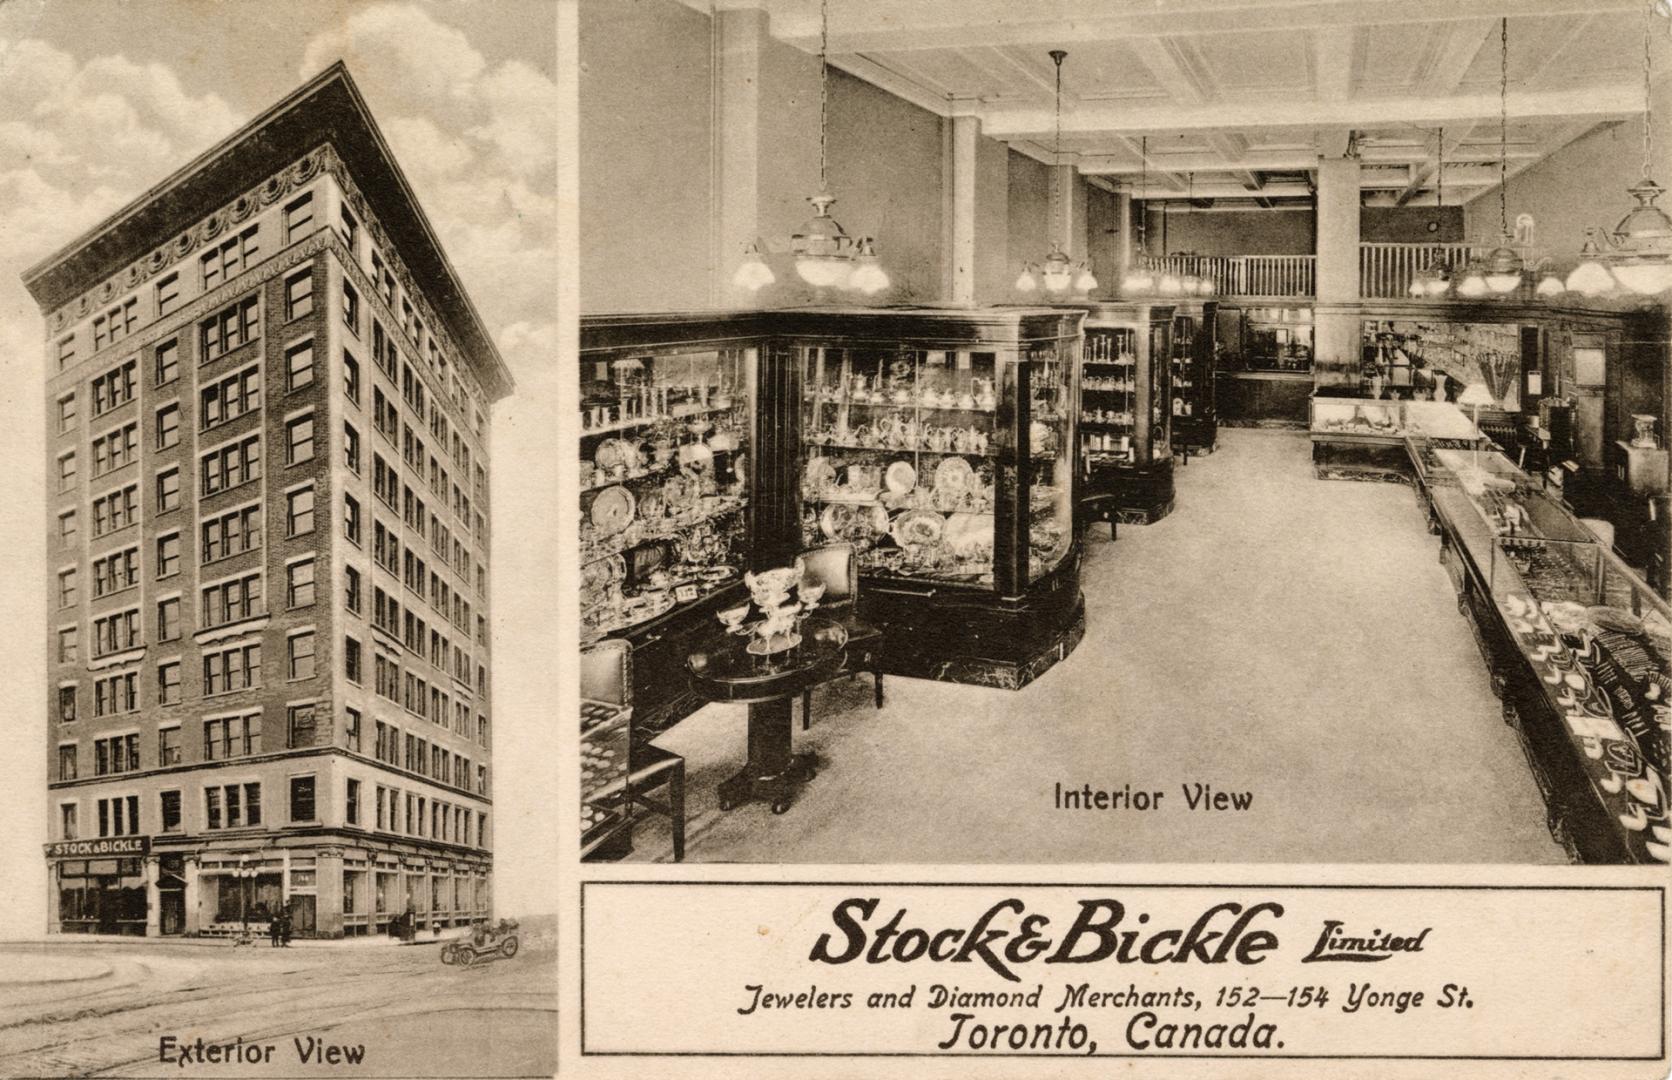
100 99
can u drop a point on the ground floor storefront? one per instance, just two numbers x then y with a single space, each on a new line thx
329 889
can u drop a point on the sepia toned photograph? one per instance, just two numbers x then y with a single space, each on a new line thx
1104 433
277 272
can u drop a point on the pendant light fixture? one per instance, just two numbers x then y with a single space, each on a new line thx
1057 272
1500 271
826 257
1138 278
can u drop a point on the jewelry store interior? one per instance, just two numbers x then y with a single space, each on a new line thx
1123 432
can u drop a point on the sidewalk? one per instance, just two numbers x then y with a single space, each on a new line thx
258 940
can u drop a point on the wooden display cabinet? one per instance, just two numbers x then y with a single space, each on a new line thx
1195 417
1126 411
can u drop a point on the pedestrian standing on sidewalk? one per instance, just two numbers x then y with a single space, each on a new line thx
284 928
273 929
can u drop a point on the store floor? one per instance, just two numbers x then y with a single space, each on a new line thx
1276 635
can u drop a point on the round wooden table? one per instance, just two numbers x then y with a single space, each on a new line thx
769 684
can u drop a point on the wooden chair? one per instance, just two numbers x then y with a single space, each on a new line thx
837 567
607 677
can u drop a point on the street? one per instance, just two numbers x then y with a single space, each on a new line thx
139 1008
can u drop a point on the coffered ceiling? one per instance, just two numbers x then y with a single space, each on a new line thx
1235 100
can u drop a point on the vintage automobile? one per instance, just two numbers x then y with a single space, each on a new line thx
483 942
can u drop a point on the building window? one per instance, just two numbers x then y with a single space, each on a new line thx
298 218
351 520
116 632
298 295
350 228
114 388
116 449
66 526
167 362
231 465
169 805
351 378
116 572
66 704
168 490
119 816
351 589
168 683
299 511
67 591
168 294
299 366
301 798
232 533
351 803
351 660
66 821
66 352
168 555
67 761
299 584
232 256
229 398
229 670
68 645
66 471
168 426
304 731
351 729
116 511
301 664
168 746
117 754
66 412
231 736
115 324
299 440
351 448
168 619
232 807
351 309
232 601
234 326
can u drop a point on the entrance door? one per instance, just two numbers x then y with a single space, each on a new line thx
171 912
302 914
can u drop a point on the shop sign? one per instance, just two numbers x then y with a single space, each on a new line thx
100 848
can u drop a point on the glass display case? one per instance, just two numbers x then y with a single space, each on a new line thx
1126 411
1357 438
1579 648
1195 426
941 444
665 441
1277 339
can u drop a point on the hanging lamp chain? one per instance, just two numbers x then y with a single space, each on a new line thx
1503 125
1648 68
824 91
1057 56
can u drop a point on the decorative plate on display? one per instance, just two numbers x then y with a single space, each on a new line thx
900 477
954 475
820 474
918 527
834 518
613 510
608 455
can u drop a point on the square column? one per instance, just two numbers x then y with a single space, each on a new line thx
1336 320
966 130
328 899
1067 226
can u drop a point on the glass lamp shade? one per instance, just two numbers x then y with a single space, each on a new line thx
1644 276
1472 285
868 274
1590 277
1057 272
823 249
1169 285
753 273
1025 281
1643 241
1550 285
1085 280
1476 394
1137 280
1502 268
1416 289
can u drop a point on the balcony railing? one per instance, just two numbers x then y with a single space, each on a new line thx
1246 275
1386 270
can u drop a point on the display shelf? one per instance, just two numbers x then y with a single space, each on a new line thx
1135 477
675 416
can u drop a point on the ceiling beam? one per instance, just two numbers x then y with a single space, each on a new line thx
1602 102
865 26
1172 67
1454 54
1426 172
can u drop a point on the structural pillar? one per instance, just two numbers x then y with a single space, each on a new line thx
966 131
739 34
1067 226
1336 318
328 897
53 926
153 898
192 901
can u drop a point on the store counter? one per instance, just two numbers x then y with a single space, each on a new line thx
1263 398
1577 646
